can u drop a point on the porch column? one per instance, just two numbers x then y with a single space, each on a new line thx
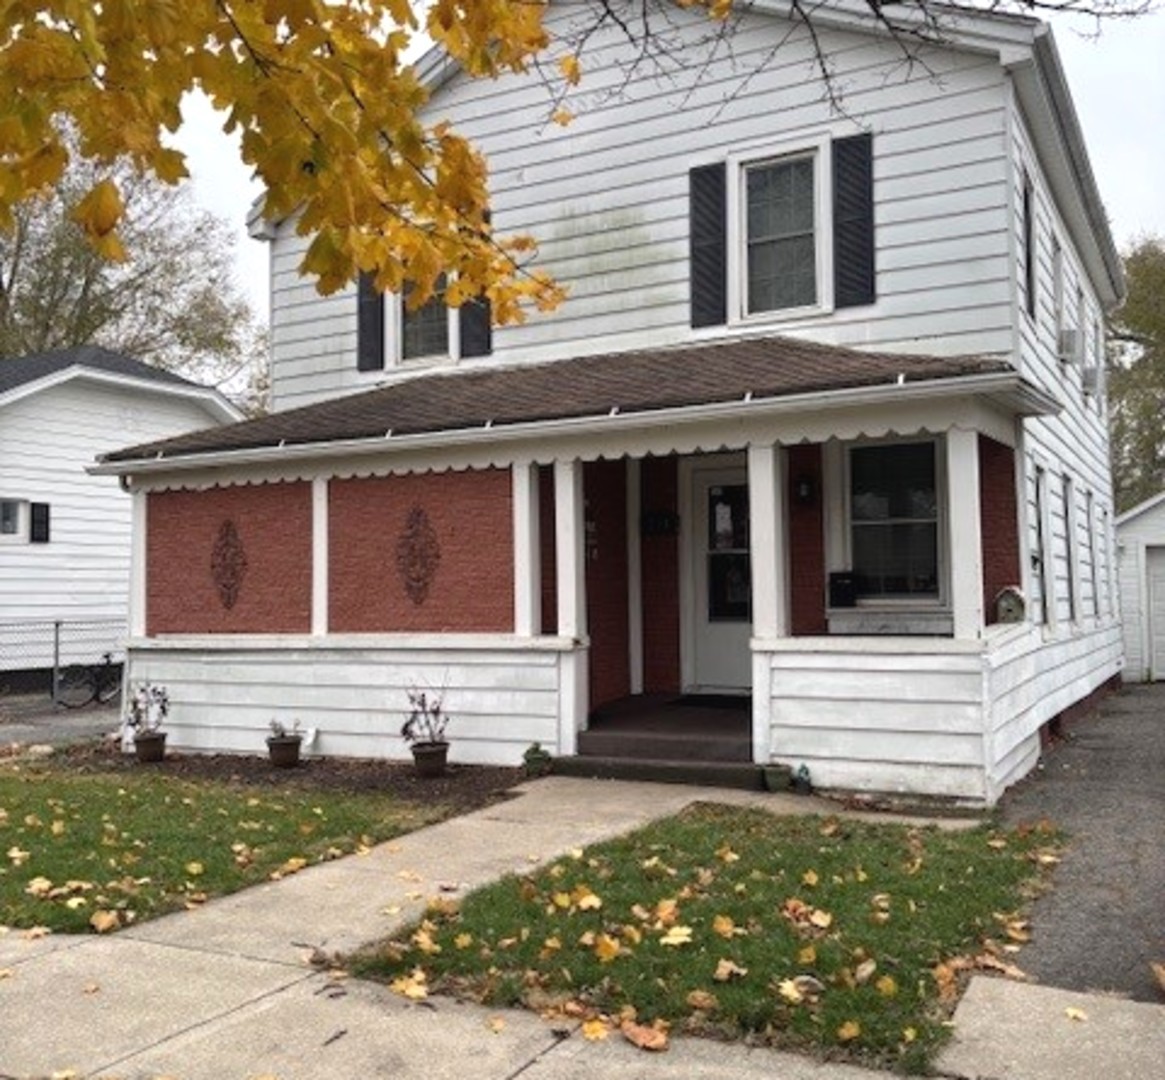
527 552
319 556
570 572
137 564
634 575
769 557
966 554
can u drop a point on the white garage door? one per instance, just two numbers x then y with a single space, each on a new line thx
1155 560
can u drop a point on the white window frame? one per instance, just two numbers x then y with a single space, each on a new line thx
941 601
818 147
23 520
394 336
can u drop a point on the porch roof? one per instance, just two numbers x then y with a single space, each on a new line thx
616 384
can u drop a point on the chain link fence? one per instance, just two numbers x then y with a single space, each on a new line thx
32 652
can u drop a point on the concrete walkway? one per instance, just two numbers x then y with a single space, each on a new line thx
226 991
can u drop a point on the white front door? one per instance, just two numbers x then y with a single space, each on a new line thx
722 577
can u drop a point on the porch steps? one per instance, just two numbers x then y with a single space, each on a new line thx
730 774
694 747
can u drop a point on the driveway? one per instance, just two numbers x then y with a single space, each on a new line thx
1104 784
32 718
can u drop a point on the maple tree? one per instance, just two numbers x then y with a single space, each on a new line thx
328 107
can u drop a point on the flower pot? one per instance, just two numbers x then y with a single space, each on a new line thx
430 758
284 750
150 745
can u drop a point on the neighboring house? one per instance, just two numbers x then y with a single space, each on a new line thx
1140 534
825 386
65 535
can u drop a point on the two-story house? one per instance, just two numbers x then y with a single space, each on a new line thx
819 427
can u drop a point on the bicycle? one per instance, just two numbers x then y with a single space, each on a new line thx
79 684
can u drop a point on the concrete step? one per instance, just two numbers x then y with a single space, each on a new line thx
665 746
746 776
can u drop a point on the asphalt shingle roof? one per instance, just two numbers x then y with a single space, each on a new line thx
634 382
19 370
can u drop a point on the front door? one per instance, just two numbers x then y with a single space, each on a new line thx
722 620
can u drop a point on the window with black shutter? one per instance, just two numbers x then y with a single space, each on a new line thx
475 328
38 529
369 325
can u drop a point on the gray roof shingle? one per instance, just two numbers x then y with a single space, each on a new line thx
19 370
633 382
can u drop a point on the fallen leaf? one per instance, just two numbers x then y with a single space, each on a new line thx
195 869
865 971
104 921
849 1031
6 973
39 887
1074 1013
1159 974
463 941
809 878
886 986
726 854
644 1037
596 1029
677 935
728 969
724 926
909 1034
411 986
496 1024
789 992
35 932
702 999
807 957
90 988
821 919
606 948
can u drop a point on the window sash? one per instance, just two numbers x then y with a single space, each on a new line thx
781 234
425 331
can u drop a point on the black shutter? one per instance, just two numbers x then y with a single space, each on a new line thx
708 245
853 221
369 325
476 333
38 532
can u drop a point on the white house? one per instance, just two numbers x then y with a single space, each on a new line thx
819 426
65 535
1140 534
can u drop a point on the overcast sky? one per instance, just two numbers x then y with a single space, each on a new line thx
1117 81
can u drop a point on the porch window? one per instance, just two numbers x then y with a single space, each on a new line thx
894 521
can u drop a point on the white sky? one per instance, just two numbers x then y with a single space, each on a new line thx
1117 82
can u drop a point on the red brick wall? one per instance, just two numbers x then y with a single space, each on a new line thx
605 547
472 589
274 527
661 580
999 521
806 545
549 552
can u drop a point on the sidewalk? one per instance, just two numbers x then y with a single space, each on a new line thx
226 991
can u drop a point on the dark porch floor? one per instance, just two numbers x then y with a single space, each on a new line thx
671 727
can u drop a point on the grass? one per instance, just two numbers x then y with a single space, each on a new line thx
83 851
806 933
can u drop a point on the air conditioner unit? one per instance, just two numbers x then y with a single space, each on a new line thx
1091 378
1068 347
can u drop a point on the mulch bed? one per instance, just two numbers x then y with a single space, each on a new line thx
464 787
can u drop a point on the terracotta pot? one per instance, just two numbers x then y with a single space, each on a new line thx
284 750
150 746
430 759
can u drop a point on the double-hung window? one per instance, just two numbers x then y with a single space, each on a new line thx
425 330
894 521
23 522
781 228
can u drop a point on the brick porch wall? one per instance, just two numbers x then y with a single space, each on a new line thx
999 521
806 544
661 580
605 547
273 523
472 588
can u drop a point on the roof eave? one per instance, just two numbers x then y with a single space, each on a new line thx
1007 389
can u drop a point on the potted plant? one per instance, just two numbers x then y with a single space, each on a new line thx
283 744
424 731
536 761
148 707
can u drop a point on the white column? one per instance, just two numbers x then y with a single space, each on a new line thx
634 576
569 549
527 551
319 556
964 514
137 562
767 515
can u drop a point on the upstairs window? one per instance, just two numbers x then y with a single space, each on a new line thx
12 519
894 521
425 331
782 234
1028 251
23 522
781 229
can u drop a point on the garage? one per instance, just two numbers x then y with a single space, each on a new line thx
1141 572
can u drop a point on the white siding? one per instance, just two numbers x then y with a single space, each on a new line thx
46 441
607 198
354 695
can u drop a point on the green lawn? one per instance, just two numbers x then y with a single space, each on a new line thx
81 851
799 932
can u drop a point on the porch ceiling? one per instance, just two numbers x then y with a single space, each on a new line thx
617 384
